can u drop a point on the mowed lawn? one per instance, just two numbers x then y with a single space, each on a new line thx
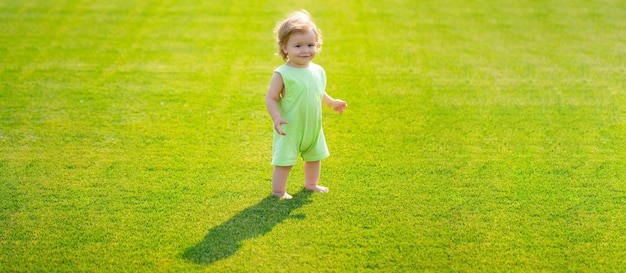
480 136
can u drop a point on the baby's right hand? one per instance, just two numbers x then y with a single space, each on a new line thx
277 123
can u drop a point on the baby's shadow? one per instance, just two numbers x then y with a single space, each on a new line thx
225 240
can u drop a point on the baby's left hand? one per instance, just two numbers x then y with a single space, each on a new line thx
339 106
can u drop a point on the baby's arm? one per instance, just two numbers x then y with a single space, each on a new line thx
337 105
274 92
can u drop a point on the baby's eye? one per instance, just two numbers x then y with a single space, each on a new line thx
298 46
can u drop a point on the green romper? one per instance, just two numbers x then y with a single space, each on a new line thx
301 107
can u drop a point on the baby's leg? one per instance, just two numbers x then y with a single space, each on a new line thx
279 181
312 176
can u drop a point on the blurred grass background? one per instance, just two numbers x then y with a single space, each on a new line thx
481 136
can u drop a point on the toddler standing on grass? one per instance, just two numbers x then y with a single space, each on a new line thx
294 101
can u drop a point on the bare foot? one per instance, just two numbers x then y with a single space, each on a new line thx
282 195
316 188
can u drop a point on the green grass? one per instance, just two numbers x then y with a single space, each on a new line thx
481 136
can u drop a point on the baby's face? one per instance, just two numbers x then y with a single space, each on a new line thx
301 48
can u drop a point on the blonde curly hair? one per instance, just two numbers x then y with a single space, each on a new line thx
299 21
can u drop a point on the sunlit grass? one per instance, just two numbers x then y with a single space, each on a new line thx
481 136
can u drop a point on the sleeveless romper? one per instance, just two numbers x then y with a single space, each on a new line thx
301 106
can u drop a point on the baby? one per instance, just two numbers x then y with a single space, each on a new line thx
294 101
